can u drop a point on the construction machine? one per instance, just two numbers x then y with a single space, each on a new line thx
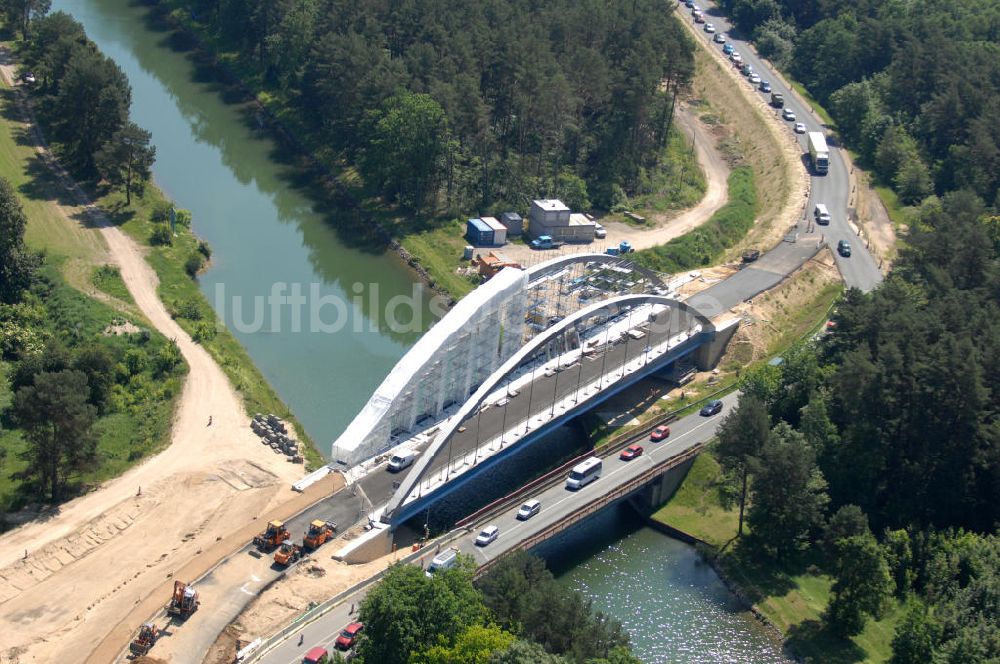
319 533
287 554
275 534
184 601
144 640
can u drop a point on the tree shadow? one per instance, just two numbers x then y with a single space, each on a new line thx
766 577
812 641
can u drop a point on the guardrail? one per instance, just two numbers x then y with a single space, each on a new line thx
321 609
611 446
603 501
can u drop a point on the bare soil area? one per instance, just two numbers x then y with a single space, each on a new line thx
782 313
309 583
68 577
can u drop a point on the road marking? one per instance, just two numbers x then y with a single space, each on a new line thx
243 588
619 468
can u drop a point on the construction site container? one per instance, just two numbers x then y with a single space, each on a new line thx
513 223
467 252
479 233
499 230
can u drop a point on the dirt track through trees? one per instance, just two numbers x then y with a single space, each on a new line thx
67 578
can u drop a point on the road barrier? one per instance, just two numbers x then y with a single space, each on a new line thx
603 501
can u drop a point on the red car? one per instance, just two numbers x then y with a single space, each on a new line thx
659 433
631 452
317 655
349 636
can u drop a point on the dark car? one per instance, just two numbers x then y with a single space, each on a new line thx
631 452
660 433
844 248
711 408
349 636
765 86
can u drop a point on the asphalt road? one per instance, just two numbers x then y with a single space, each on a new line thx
557 503
834 189
487 423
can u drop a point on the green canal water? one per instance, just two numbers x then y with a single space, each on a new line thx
266 234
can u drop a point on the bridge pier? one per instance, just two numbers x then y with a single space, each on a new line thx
653 495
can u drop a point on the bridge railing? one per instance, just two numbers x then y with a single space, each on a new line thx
608 498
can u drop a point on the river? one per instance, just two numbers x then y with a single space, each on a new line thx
673 604
264 233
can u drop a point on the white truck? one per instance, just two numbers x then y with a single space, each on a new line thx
819 154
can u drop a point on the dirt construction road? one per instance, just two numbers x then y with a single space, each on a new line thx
67 579
716 194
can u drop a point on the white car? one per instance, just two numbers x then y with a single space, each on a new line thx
800 128
754 78
600 232
788 114
709 28
487 536
719 38
529 509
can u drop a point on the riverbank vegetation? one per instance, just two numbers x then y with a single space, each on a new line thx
84 392
114 172
870 459
913 87
517 613
504 101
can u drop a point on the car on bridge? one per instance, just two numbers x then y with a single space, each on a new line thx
765 86
728 49
317 655
719 38
788 114
659 433
713 407
529 509
631 452
488 535
349 636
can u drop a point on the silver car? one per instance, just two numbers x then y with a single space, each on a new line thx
488 535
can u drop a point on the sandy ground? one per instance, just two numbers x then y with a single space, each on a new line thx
311 582
103 553
878 232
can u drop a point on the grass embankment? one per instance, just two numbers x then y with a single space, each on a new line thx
706 244
60 312
142 400
793 597
189 306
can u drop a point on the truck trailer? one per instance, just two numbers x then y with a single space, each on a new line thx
819 154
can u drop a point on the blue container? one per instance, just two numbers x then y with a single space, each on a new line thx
478 233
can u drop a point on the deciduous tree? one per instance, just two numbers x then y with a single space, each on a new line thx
742 435
862 587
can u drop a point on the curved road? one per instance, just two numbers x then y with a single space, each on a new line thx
834 189
859 271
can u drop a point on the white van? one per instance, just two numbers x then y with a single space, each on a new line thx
584 473
401 459
442 561
822 214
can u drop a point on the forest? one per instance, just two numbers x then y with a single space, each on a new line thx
874 453
914 87
517 613
471 104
